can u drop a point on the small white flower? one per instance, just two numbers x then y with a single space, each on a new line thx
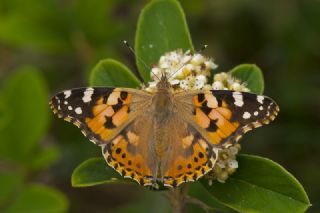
197 59
200 81
233 164
211 65
220 77
235 86
217 85
184 84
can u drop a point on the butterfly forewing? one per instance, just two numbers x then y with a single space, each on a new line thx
224 116
99 112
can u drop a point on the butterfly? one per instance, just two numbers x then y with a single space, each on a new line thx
167 136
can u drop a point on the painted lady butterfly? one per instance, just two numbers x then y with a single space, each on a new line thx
166 136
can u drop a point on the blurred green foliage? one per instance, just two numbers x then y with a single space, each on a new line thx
26 122
61 40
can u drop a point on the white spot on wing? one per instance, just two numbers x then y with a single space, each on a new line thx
260 99
69 107
78 110
66 102
67 93
113 98
246 115
256 113
238 99
211 101
87 95
261 107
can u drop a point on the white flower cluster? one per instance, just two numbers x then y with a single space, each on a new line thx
225 165
225 81
185 71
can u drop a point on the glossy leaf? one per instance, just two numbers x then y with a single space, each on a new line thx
252 75
26 99
93 172
111 73
161 28
198 191
39 198
260 185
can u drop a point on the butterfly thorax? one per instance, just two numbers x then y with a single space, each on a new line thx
163 111
163 101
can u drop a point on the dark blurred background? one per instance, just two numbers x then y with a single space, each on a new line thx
64 39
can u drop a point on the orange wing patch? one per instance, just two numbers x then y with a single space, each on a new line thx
227 115
127 164
98 112
216 122
109 114
191 168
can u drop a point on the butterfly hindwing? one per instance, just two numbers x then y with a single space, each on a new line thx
224 116
191 158
128 153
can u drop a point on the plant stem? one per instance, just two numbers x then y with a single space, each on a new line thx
177 197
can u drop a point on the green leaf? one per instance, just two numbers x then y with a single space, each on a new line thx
26 97
93 172
196 190
9 183
252 75
260 185
39 198
111 73
161 28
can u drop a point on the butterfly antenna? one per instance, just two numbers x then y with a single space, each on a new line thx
139 59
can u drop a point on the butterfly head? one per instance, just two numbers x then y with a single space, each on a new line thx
164 83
